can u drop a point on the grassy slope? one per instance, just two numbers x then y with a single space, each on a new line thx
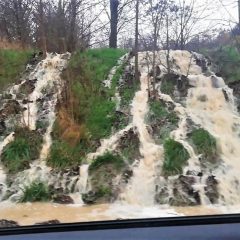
12 63
94 106
90 110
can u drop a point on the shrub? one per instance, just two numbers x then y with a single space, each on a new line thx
62 155
107 158
36 192
158 110
204 143
18 154
175 157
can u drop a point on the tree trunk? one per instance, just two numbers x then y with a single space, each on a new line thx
238 15
154 58
114 23
168 49
136 43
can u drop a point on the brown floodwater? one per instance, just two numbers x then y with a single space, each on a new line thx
31 213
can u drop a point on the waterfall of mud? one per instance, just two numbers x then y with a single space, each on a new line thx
141 189
209 104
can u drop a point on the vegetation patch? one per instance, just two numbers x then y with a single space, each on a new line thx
107 158
227 59
62 155
18 154
12 63
162 120
175 157
168 84
204 144
87 103
103 171
36 192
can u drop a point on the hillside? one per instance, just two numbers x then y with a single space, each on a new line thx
78 129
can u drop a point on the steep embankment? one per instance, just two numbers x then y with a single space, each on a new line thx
98 138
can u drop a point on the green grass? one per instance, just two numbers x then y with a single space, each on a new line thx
107 158
204 143
36 192
167 87
12 63
167 120
175 157
158 110
62 156
18 154
93 105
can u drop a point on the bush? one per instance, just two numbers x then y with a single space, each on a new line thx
18 154
62 155
158 110
36 192
175 157
107 158
204 143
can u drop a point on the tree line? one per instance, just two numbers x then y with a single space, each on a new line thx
66 25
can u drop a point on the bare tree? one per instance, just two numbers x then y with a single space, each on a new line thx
136 42
156 10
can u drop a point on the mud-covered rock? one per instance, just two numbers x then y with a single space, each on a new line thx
63 199
236 92
8 223
10 108
2 127
27 88
211 189
182 193
202 61
128 145
50 222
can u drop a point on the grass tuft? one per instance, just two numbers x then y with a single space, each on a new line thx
36 192
107 158
205 143
62 155
18 154
175 157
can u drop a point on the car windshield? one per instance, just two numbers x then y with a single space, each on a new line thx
118 109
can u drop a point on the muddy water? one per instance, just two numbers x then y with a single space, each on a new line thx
31 213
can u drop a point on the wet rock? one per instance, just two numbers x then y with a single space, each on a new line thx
2 127
50 222
202 62
225 95
8 223
184 193
202 98
89 198
127 175
63 199
211 189
11 107
27 87
236 92
129 143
